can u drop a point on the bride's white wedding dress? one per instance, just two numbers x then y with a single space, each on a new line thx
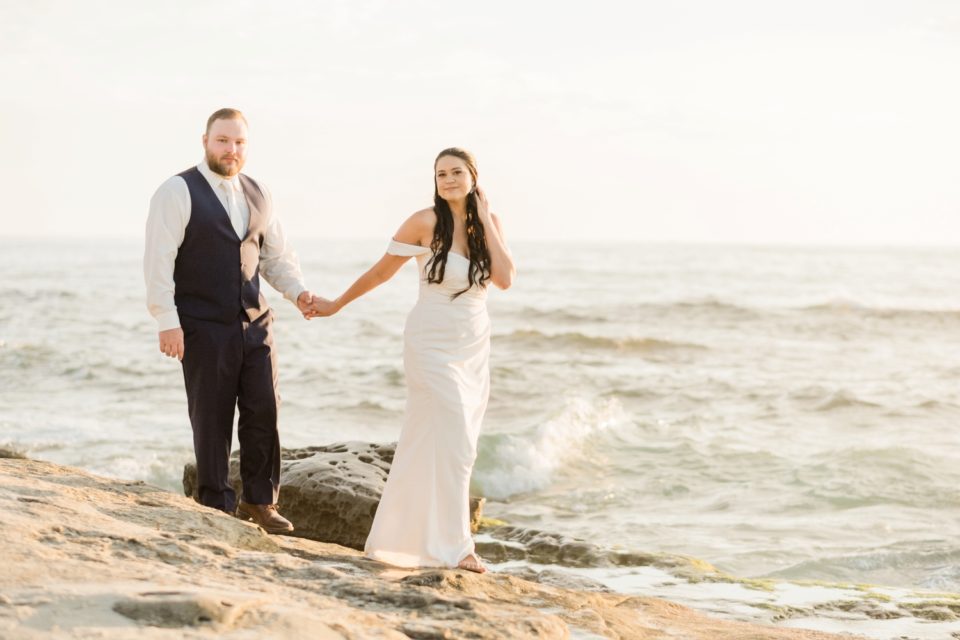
423 516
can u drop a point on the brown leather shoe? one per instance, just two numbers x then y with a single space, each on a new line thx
266 516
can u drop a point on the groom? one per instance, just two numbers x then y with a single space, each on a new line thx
211 233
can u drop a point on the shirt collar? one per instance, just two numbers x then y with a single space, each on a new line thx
215 179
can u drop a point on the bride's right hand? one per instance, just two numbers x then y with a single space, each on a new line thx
322 308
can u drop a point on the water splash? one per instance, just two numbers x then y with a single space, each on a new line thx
509 464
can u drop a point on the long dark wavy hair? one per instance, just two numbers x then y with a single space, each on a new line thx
479 255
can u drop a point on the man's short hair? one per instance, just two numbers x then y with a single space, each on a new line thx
225 114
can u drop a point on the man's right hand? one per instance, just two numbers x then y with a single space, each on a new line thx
171 343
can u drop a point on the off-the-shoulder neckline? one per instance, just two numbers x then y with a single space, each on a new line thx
417 246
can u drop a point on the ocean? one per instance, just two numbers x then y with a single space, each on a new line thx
778 412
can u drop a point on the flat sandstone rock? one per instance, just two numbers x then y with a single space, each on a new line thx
87 556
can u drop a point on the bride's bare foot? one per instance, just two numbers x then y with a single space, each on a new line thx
472 563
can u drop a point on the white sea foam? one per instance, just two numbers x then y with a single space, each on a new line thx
511 464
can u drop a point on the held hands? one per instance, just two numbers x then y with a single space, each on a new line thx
312 306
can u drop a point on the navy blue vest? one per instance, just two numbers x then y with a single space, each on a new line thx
216 274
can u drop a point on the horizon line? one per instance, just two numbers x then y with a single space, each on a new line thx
754 244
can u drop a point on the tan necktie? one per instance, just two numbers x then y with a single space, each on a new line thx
233 209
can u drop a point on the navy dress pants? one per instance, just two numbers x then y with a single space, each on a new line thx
227 366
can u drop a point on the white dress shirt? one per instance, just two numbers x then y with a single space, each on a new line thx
167 223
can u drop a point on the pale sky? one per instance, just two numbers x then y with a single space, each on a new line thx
813 122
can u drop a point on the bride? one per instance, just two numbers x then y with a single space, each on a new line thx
423 516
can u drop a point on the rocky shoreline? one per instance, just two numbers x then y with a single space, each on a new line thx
88 556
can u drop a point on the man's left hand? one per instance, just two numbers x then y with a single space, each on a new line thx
304 303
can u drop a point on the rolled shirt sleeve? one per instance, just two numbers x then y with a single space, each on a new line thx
279 264
166 225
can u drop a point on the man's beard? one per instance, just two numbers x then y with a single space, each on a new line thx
214 163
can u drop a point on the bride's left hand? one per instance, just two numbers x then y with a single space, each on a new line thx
483 205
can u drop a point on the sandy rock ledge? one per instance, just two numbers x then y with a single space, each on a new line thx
89 557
